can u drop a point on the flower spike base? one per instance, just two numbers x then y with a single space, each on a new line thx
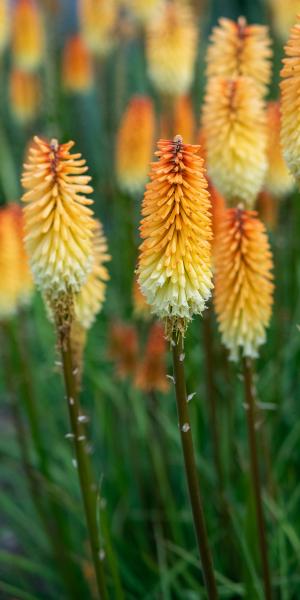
190 464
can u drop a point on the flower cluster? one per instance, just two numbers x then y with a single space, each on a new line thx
290 101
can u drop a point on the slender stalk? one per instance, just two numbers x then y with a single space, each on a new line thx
87 485
250 414
190 466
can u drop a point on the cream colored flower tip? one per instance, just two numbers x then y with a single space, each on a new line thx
290 101
89 301
174 269
234 125
58 223
237 48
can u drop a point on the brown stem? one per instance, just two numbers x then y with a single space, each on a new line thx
250 414
190 466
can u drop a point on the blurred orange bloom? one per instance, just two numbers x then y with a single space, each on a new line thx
123 348
77 68
27 35
25 95
4 24
182 123
279 180
290 101
135 144
151 374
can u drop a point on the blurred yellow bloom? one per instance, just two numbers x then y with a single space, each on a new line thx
171 47
174 262
16 282
279 180
25 95
290 102
284 14
240 49
88 302
77 67
4 24
145 10
135 144
234 123
27 35
243 282
97 20
58 225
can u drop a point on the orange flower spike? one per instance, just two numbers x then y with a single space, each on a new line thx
240 49
58 223
135 144
25 95
171 46
243 282
88 302
279 180
4 24
124 348
97 20
175 262
24 273
151 373
27 35
290 102
234 123
77 66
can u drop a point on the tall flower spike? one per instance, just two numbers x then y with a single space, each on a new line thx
25 95
135 144
77 67
24 276
9 264
279 180
174 262
234 123
290 101
171 47
91 296
243 282
27 35
58 223
97 20
240 49
4 24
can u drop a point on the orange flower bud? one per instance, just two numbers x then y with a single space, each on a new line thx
77 67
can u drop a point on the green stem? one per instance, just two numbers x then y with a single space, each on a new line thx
190 466
250 414
87 485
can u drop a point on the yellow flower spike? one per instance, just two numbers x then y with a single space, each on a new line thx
239 49
145 10
234 124
25 95
135 144
175 257
27 35
279 180
58 223
4 24
9 264
97 20
171 46
290 102
77 67
243 293
88 302
25 281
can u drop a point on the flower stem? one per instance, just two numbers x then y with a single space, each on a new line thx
250 414
190 466
87 485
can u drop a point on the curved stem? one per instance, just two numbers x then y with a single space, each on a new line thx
250 414
87 485
190 466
